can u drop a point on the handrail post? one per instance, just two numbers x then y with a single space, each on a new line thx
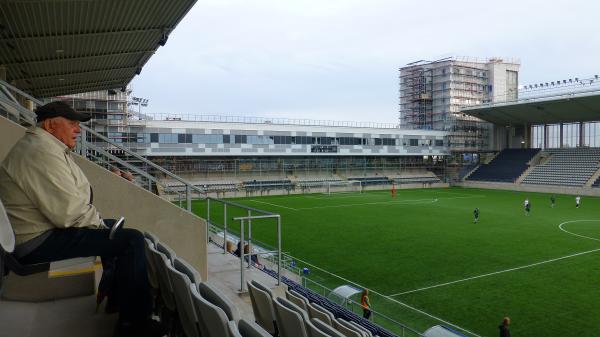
188 197
224 228
207 216
278 250
249 239
242 269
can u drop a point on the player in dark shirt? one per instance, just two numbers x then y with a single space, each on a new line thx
504 331
552 200
476 215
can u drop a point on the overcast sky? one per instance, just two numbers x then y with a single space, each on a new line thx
339 59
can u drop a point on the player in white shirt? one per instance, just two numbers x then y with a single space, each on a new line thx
577 201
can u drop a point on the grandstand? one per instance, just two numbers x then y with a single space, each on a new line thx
543 152
507 166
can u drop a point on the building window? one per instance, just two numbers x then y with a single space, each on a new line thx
167 138
240 139
413 142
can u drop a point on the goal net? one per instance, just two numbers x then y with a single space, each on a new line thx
351 186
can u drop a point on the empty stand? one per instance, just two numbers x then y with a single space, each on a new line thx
506 167
368 181
565 167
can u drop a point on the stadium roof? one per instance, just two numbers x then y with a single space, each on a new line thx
546 110
61 47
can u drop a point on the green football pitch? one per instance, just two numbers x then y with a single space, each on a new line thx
423 250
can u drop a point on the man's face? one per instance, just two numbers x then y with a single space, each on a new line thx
64 130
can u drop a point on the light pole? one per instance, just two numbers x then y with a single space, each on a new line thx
140 102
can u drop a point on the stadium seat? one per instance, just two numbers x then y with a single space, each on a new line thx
290 321
214 296
326 328
347 330
246 329
362 329
262 306
10 263
317 311
212 320
182 278
164 281
352 327
297 299
508 165
152 273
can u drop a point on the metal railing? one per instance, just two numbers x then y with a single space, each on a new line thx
245 216
260 120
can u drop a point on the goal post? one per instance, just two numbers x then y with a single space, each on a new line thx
350 186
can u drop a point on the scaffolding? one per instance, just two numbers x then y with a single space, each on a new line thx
433 93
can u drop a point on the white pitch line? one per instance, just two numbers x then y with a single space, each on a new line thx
393 202
579 235
268 203
369 203
515 268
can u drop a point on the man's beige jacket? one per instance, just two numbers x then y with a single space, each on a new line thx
42 188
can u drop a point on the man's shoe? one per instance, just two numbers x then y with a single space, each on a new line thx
144 328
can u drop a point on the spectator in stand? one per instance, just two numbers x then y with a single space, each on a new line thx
504 330
253 257
365 303
48 199
124 175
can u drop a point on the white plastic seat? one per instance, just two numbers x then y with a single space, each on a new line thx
212 320
262 306
246 329
183 298
289 321
318 312
297 299
324 328
216 297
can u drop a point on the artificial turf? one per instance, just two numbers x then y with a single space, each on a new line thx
514 265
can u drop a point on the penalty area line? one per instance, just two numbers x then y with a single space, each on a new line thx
275 205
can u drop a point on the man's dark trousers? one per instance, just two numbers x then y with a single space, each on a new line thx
127 246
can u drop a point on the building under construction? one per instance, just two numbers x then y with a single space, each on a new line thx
432 94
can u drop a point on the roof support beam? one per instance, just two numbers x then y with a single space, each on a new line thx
73 73
81 84
91 34
81 57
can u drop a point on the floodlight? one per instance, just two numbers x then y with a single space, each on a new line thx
163 39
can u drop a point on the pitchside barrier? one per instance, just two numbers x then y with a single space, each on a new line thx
391 314
388 312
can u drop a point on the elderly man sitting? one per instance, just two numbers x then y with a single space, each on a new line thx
49 202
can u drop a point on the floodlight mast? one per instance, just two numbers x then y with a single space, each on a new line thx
140 102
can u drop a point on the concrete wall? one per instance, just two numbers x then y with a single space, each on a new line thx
533 188
115 197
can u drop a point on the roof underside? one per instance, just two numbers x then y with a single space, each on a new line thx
584 108
60 47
